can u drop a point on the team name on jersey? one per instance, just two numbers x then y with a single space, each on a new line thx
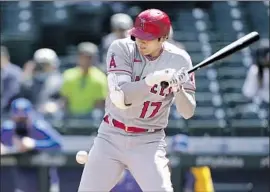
157 89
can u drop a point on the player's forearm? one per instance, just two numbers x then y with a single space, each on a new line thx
135 92
11 89
251 84
185 104
250 87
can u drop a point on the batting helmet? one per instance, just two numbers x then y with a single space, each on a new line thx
21 107
151 24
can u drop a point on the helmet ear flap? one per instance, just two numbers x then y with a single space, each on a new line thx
132 38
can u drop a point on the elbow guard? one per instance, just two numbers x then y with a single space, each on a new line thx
116 94
118 99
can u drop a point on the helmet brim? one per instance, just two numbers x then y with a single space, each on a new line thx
138 33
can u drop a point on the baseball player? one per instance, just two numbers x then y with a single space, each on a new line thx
137 108
24 132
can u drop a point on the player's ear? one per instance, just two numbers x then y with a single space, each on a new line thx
164 38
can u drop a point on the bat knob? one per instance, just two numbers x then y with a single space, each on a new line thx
164 84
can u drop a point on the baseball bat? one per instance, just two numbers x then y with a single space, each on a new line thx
224 52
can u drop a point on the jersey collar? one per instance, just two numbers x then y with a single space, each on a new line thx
150 58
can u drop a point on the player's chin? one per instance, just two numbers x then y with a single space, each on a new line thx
144 52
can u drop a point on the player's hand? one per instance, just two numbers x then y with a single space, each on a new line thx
23 144
158 76
179 78
28 143
29 68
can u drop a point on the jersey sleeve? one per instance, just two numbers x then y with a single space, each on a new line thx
118 60
7 128
52 139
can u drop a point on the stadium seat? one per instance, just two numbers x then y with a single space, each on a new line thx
204 98
225 72
231 64
235 99
225 27
52 13
246 123
197 57
231 85
182 36
204 113
258 17
203 124
202 86
192 47
184 17
18 21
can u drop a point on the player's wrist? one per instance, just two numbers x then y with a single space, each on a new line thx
178 89
150 80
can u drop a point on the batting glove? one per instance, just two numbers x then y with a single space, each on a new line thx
158 76
179 78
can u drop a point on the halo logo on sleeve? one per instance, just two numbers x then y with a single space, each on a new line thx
112 62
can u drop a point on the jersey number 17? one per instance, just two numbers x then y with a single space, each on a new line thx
146 105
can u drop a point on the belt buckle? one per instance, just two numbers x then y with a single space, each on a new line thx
151 130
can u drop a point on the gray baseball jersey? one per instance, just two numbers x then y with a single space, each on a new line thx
124 58
144 154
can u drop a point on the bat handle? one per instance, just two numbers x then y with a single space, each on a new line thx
164 84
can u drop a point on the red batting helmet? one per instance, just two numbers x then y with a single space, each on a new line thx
151 24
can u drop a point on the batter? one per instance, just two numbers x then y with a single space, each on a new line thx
137 108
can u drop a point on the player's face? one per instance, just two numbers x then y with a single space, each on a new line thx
120 33
84 61
20 119
151 47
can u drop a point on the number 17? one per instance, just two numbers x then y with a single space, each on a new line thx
145 108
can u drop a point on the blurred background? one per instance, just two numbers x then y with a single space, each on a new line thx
52 55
